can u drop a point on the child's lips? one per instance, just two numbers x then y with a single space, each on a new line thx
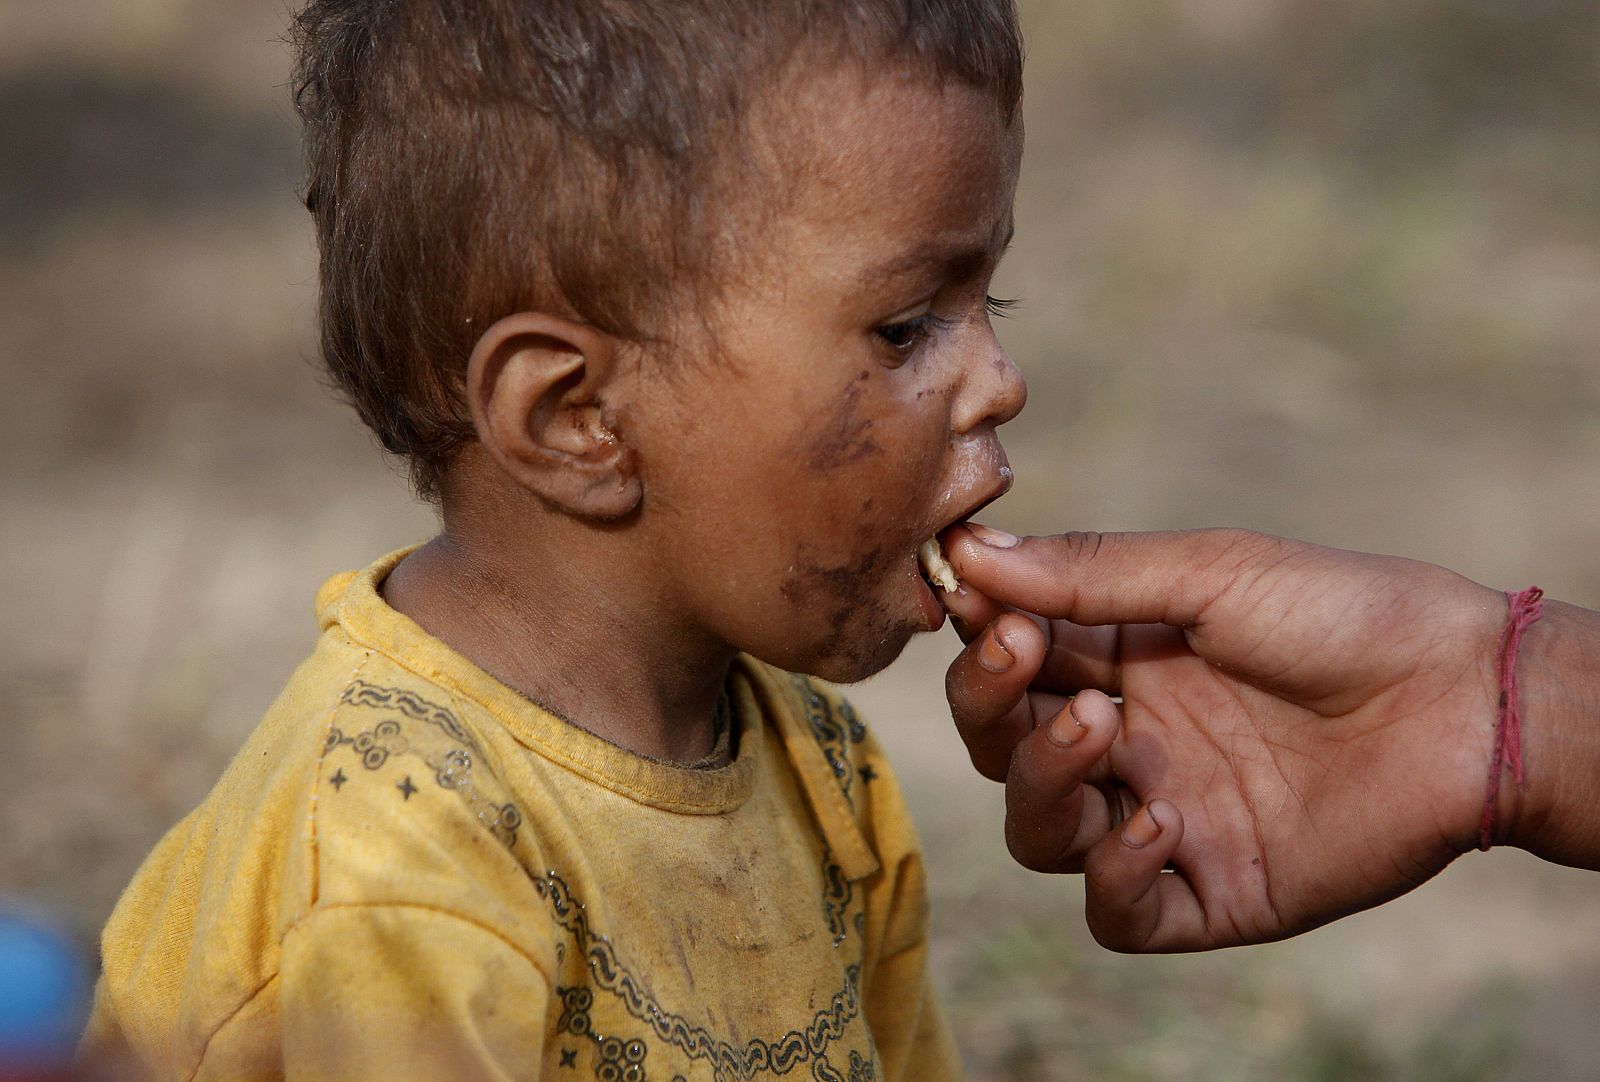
1001 485
932 609
929 569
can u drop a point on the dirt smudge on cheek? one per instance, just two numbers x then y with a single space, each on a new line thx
809 580
841 436
843 595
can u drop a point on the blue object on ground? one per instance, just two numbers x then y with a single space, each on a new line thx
43 994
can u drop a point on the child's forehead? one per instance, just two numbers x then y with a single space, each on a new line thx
845 106
885 159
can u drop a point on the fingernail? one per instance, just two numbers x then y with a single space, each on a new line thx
992 654
997 539
1065 730
1141 830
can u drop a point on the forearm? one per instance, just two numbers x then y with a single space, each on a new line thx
1558 805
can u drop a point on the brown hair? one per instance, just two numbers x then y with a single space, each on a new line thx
467 159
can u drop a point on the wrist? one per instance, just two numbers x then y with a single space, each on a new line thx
1555 811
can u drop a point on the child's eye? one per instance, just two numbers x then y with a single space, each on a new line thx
905 335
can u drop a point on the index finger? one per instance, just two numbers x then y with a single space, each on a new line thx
1110 578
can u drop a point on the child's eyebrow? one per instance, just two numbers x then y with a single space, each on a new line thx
960 254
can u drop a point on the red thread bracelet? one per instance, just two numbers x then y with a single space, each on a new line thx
1524 607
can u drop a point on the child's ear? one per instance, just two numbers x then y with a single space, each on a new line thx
538 387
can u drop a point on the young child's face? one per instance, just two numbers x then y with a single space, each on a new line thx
851 409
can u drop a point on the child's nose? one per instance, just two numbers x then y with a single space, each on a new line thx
994 390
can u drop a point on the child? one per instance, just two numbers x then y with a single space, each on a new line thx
678 309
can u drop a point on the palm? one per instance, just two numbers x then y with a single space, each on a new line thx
1235 759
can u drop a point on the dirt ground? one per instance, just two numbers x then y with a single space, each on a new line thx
1329 269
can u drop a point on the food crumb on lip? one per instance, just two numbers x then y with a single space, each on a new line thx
935 566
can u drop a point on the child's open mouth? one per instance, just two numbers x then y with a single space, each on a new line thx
935 570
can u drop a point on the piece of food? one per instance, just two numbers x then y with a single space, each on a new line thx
935 566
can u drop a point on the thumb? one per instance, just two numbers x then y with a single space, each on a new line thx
1112 578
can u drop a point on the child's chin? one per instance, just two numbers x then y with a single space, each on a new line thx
849 663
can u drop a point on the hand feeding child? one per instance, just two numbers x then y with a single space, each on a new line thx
678 310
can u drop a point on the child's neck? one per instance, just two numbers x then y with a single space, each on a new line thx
559 624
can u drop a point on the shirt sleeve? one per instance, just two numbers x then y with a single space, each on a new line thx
908 1025
397 992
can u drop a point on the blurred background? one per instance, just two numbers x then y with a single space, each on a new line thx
1328 268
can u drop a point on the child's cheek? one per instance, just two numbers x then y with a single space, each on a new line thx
876 449
841 433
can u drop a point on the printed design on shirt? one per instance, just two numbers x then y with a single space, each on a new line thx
837 890
836 726
616 1060
860 1069
729 1063
428 732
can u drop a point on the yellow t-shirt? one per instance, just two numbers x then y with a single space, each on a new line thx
411 871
